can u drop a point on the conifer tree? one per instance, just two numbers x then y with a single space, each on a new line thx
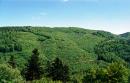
57 71
33 70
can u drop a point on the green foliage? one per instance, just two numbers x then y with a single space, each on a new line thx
9 75
45 80
126 35
12 62
114 73
96 76
57 71
33 70
74 46
80 49
117 73
113 50
9 41
105 34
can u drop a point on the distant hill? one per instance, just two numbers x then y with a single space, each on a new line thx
126 35
79 48
73 45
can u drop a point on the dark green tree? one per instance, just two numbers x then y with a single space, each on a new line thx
33 70
57 71
12 61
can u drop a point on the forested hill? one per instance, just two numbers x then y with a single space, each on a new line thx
126 35
80 49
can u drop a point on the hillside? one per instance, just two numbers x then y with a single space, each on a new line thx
80 49
126 35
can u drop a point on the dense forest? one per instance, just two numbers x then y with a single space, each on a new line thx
63 55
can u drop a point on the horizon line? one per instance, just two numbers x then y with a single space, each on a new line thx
45 26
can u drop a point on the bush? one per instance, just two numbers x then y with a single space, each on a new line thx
7 74
114 73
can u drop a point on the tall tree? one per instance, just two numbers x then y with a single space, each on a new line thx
33 70
57 71
12 62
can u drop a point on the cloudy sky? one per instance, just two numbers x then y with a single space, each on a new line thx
108 15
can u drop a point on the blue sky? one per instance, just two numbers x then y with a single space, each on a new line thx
108 15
